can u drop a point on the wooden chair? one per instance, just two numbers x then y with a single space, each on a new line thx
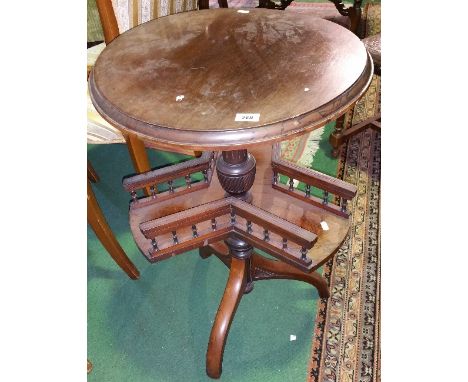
347 15
341 135
325 11
98 223
117 17
353 12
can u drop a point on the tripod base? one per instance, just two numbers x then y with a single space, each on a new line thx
245 267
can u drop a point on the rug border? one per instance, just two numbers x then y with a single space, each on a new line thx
316 359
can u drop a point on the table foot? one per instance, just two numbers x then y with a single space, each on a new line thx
235 288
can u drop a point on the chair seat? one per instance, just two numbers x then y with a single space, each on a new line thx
372 44
98 130
93 53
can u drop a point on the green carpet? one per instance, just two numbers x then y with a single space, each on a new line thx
157 328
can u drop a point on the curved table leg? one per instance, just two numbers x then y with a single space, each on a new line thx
265 269
227 309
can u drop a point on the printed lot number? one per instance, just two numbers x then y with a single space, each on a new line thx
247 117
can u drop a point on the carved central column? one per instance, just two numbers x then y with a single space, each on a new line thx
241 250
236 173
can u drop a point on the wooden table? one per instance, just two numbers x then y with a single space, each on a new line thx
237 82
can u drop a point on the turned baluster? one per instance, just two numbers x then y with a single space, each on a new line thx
266 235
133 194
205 175
304 253
213 224
233 218
174 237
153 191
194 231
154 243
275 177
171 186
291 184
325 197
212 159
188 181
307 192
344 202
285 243
249 226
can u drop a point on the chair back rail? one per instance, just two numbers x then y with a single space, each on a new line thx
118 16
108 20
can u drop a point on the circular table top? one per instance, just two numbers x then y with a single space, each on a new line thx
227 79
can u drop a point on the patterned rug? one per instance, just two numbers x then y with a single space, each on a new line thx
346 345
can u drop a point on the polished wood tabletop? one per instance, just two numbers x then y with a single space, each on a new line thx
228 78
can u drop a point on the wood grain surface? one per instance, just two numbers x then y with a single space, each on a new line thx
181 80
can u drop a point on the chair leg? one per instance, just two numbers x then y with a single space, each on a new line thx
99 225
139 156
336 138
342 135
227 309
203 4
92 174
355 14
373 123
